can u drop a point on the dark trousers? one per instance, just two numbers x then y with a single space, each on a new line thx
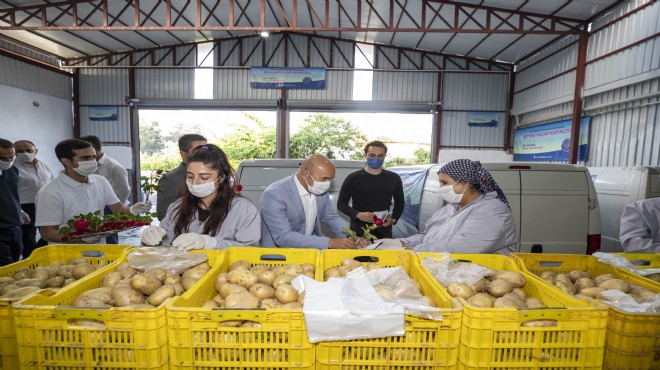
29 230
112 239
11 244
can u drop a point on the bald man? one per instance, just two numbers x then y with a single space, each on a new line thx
292 209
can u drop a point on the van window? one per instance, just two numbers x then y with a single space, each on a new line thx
413 184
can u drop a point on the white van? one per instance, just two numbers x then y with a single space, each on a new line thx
255 176
554 205
617 187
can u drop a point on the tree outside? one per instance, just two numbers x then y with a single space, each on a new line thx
332 136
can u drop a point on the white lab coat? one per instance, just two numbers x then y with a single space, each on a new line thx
484 226
640 227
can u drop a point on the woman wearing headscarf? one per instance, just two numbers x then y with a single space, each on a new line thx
209 213
477 219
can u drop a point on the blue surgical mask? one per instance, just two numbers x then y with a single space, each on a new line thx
375 163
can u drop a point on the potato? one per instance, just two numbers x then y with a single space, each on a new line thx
344 270
19 292
520 303
243 278
219 300
282 279
78 261
520 293
566 286
582 283
228 289
172 279
285 293
499 287
22 273
251 324
599 279
86 301
258 269
90 323
479 286
55 282
578 274
516 279
53 267
41 273
32 282
309 268
278 270
481 300
243 299
548 274
460 290
81 270
6 280
301 298
262 291
293 269
124 295
203 265
350 263
159 274
145 284
330 273
372 266
533 302
178 289
563 277
69 281
291 306
161 294
270 303
617 284
505 302
239 265
188 282
654 277
540 323
194 273
230 324
210 304
310 275
111 279
126 271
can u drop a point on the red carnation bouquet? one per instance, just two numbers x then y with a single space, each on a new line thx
91 224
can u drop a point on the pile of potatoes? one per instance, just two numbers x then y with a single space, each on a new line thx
127 287
258 286
579 282
25 280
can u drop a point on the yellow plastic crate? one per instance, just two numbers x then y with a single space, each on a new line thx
197 341
494 338
48 337
426 344
98 255
648 260
632 339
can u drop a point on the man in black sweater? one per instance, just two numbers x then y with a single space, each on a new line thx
371 190
11 217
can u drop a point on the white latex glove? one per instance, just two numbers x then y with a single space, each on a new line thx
188 241
140 207
390 244
153 235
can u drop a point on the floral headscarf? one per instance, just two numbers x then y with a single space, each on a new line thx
473 173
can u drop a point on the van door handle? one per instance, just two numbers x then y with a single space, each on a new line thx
592 203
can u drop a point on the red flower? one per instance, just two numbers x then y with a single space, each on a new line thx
64 238
130 222
378 221
239 187
81 224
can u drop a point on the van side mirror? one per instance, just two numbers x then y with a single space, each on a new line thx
537 248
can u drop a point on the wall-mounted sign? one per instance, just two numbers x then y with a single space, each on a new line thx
290 78
484 119
103 113
550 142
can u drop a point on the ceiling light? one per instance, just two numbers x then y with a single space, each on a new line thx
264 33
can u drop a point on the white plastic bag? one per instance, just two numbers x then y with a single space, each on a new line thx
448 270
624 302
171 260
623 263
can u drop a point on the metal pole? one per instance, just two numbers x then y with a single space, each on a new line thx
577 96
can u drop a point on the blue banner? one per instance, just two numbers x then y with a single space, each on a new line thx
103 113
483 119
291 78
550 142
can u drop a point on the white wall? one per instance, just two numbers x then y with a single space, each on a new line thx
490 156
45 125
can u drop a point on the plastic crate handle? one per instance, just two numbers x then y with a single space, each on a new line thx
529 314
273 257
74 312
238 314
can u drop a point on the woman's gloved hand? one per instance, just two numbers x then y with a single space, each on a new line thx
153 235
190 241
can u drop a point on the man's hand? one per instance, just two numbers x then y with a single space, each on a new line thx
341 243
366 217
140 207
389 222
26 217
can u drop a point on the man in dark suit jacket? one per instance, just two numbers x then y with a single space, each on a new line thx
172 182
292 209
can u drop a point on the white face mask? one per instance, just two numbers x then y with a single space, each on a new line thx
86 168
6 165
318 187
26 157
449 195
202 190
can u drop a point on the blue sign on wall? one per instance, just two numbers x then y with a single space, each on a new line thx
550 142
483 119
291 78
103 113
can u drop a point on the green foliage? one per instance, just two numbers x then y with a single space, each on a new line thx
328 135
423 156
159 161
151 140
149 184
181 129
248 143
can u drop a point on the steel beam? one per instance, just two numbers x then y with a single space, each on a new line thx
577 96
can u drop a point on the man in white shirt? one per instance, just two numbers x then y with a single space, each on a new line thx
76 190
640 227
114 172
33 175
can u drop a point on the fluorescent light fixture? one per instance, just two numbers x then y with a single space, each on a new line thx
264 33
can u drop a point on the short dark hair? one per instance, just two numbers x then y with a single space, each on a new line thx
186 140
376 143
65 148
23 142
6 144
95 141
